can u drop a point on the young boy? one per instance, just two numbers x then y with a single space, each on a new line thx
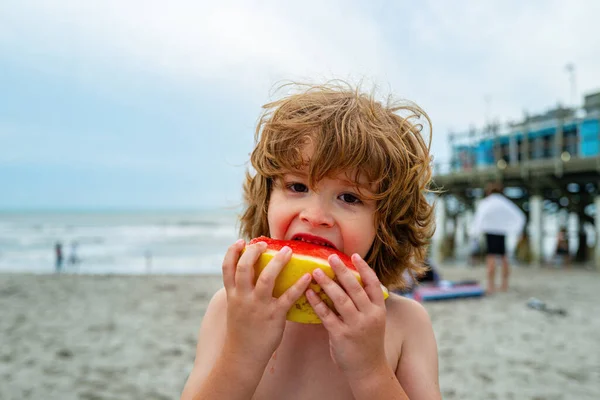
332 166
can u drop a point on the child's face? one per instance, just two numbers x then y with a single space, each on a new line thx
335 213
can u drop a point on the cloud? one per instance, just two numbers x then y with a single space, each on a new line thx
513 51
447 56
199 42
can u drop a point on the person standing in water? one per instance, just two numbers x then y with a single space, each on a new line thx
58 256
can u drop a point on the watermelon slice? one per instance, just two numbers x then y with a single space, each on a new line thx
306 257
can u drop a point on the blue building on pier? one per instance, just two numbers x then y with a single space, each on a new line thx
562 132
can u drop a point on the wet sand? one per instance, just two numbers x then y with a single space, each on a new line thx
134 337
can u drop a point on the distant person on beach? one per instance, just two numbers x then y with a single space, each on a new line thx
495 217
58 254
331 165
562 248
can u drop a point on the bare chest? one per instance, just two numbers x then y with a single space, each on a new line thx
298 371
300 377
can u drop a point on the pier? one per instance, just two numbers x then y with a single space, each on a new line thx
549 164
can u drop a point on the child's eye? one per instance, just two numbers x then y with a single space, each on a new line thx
297 187
350 198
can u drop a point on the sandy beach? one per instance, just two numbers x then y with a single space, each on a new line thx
133 337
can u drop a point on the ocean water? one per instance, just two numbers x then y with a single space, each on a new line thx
162 242
117 242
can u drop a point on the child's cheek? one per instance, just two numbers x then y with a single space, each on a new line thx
277 219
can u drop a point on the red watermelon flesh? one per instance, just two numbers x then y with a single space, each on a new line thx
305 249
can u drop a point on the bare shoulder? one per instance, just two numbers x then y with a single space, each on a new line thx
210 341
214 321
406 319
407 313
417 369
218 301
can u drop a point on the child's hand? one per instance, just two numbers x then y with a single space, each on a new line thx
255 319
356 336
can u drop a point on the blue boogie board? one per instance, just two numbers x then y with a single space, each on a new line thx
446 290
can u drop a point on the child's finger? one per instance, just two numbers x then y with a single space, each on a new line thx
350 284
331 322
342 302
229 262
266 279
370 280
244 271
294 292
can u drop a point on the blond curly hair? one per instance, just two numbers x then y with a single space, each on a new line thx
350 132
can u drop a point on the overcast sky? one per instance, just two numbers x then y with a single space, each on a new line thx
152 104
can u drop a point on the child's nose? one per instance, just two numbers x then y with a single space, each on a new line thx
317 214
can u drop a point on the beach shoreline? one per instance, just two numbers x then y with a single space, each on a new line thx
69 336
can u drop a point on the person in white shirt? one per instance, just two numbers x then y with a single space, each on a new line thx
495 217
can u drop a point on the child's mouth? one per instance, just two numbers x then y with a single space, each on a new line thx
314 240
